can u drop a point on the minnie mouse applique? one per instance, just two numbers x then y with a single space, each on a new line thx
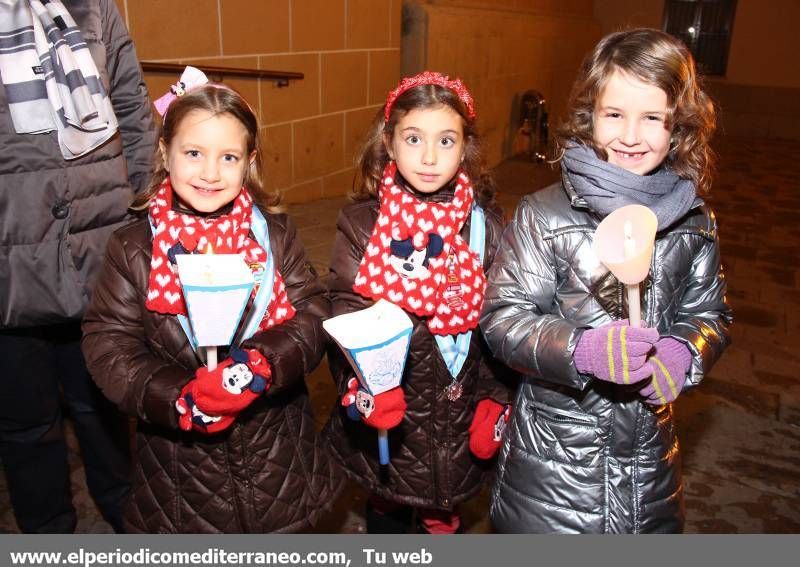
412 262
417 259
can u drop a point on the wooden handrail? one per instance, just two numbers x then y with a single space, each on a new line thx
280 77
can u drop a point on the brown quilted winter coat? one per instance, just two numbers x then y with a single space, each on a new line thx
266 473
431 465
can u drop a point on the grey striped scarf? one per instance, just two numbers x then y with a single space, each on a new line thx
50 78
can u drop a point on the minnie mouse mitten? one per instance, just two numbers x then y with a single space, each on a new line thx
213 399
233 384
486 430
192 417
384 411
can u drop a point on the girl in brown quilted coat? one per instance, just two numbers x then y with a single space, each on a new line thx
423 228
231 449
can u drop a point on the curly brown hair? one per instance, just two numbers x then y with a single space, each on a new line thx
374 156
658 59
216 99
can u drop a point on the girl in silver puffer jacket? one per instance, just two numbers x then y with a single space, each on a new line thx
591 446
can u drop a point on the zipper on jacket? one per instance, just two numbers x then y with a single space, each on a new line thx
237 511
606 515
249 510
636 496
539 413
178 486
437 498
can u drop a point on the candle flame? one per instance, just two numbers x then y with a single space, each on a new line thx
209 249
628 244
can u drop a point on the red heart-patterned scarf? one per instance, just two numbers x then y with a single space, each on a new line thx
417 259
227 234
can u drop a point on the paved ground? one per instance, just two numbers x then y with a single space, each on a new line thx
740 431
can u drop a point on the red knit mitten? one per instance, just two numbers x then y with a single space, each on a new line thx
486 430
390 407
211 401
191 417
233 384
383 411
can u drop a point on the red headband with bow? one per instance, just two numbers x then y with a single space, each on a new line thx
430 78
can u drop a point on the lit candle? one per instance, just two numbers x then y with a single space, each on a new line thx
216 287
629 244
208 274
634 301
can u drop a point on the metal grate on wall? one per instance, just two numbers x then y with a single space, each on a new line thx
705 26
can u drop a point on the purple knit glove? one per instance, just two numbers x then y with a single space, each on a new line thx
671 362
616 352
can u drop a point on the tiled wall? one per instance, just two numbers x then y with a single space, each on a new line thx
501 49
349 51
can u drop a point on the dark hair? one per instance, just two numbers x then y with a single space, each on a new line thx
216 99
658 59
374 156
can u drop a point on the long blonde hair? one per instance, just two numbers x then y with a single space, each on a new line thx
658 59
216 99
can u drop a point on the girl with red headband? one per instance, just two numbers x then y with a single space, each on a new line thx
420 234
230 449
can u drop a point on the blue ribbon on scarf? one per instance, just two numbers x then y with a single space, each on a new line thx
455 350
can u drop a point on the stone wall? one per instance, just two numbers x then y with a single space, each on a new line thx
349 51
500 49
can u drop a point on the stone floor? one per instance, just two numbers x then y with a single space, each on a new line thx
740 431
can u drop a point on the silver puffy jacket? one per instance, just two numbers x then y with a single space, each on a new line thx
583 455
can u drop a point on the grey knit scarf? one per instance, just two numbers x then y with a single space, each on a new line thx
607 187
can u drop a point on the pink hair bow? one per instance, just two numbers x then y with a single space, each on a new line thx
191 77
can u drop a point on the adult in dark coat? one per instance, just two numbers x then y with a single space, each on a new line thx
56 215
